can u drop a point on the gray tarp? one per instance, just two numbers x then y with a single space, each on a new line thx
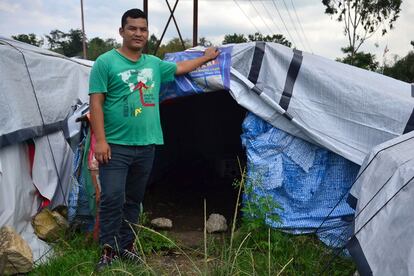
383 240
38 89
340 107
35 99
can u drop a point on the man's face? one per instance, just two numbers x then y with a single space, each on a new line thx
135 33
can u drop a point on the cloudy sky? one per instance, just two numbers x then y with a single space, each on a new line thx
321 34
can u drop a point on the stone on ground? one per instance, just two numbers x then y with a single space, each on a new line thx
49 225
15 254
161 223
216 223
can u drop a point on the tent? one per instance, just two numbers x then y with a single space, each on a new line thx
39 89
326 104
383 238
315 104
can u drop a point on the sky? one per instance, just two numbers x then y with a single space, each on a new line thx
302 22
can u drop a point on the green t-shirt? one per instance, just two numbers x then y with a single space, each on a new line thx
131 107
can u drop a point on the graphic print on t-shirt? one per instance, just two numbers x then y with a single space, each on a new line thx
141 85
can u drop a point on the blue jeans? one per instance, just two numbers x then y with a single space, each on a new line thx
123 180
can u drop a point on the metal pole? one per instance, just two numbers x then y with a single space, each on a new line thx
83 33
195 23
145 7
166 26
175 23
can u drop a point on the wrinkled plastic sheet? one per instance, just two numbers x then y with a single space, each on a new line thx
383 238
19 200
307 181
37 90
212 76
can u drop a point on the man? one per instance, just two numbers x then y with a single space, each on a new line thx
124 105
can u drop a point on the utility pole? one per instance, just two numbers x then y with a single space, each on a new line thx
83 33
145 8
145 5
195 23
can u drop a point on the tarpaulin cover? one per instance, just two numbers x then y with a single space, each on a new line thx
18 196
212 76
37 90
343 108
304 179
383 195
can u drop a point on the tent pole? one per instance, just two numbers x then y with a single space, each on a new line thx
145 8
195 23
83 32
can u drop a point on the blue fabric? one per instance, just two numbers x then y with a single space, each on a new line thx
305 180
215 75
74 192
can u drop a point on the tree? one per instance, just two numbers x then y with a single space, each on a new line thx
402 69
68 44
278 38
98 46
202 41
240 38
234 38
360 59
152 44
29 38
174 45
362 18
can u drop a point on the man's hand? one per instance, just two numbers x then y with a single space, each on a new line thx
211 53
186 66
102 152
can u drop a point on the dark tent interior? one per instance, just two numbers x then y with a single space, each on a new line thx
199 159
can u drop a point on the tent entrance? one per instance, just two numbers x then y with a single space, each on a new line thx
198 159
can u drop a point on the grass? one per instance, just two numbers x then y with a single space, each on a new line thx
250 249
261 252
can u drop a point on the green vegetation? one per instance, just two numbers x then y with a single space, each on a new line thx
362 19
252 249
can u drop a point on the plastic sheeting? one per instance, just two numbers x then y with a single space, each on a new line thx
340 107
52 167
18 197
383 240
37 90
304 179
212 76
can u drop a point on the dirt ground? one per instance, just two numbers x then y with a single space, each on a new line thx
183 203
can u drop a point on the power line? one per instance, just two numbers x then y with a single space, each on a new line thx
258 13
294 25
271 17
284 24
248 18
300 25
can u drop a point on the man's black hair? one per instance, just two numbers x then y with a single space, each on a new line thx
132 13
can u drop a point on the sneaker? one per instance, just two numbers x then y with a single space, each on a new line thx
131 255
107 257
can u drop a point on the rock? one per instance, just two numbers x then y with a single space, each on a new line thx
15 254
161 223
216 223
48 225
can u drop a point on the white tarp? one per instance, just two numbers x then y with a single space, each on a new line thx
37 90
383 240
340 107
18 198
